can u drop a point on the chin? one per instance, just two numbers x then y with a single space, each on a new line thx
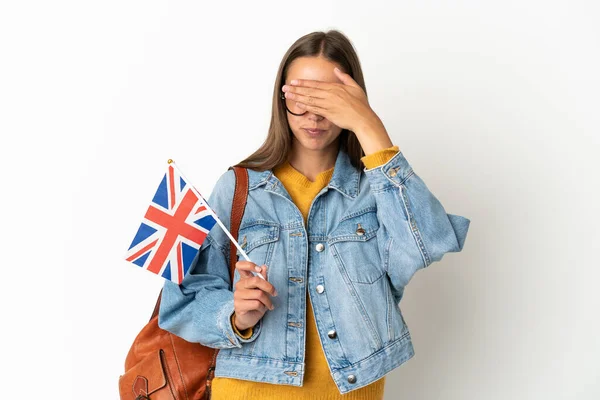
318 143
315 144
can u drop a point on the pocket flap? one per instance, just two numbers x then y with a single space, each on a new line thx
256 234
359 226
145 378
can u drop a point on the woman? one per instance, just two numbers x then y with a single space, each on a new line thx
337 222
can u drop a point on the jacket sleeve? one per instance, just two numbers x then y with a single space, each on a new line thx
415 229
200 308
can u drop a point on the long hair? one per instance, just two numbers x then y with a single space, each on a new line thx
335 47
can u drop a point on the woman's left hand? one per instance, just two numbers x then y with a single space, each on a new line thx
344 104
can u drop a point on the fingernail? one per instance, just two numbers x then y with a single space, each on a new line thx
257 268
275 293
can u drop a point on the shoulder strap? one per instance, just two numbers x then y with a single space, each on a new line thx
240 196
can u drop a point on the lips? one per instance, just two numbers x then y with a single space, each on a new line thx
314 131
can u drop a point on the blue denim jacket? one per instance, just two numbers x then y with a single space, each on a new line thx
368 232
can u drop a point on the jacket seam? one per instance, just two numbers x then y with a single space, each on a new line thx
392 183
386 255
404 336
358 212
358 300
232 341
213 242
413 226
386 266
389 315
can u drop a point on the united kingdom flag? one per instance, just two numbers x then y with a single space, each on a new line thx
173 229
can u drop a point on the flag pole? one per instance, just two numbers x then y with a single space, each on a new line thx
210 210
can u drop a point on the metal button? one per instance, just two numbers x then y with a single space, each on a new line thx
320 247
351 378
393 172
360 230
320 289
332 334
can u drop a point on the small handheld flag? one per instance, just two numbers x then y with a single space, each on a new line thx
173 228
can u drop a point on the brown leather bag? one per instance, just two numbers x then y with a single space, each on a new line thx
161 365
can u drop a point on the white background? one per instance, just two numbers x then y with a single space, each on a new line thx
495 104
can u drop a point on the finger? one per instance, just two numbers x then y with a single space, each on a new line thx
251 305
254 294
247 275
309 100
262 269
345 78
309 83
245 268
313 109
313 92
257 283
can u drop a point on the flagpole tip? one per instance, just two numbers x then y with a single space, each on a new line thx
170 161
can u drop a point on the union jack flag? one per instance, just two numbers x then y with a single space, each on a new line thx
173 228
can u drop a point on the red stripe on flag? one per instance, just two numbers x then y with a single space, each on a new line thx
172 185
201 208
176 226
179 263
142 251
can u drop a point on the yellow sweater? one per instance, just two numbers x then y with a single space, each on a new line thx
317 383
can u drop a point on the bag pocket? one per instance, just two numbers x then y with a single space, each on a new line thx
147 380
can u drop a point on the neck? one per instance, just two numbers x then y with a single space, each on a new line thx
312 162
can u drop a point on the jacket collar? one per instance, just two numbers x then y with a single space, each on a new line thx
345 178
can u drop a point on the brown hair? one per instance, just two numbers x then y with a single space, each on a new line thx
335 47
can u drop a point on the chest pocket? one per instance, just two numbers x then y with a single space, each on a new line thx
354 246
257 239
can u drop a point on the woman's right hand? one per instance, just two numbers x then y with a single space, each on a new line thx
252 295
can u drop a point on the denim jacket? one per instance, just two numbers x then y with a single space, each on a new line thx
367 234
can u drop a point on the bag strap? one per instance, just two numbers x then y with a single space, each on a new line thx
240 196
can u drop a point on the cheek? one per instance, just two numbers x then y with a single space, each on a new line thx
294 124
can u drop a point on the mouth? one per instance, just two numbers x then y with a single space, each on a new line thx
314 131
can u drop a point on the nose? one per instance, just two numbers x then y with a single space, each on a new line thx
313 116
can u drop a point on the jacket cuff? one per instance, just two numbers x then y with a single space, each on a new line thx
392 173
245 334
224 322
379 157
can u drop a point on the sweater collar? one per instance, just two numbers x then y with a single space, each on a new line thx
286 172
345 178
